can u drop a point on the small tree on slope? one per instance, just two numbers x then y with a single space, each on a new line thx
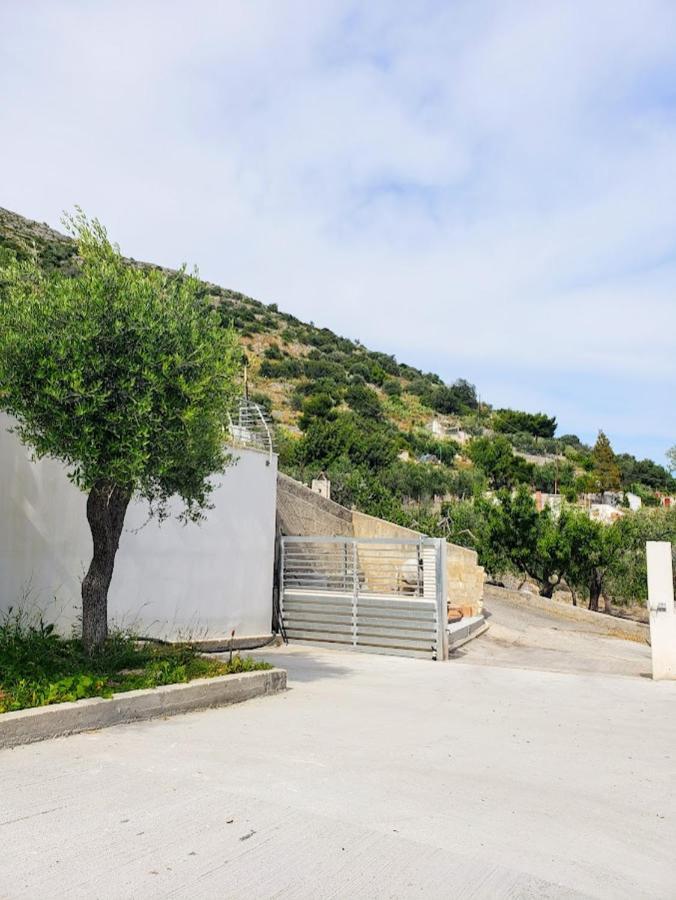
125 375
606 471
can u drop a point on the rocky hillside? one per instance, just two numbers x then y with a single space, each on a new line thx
361 415
285 356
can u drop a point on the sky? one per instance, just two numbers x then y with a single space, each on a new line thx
485 189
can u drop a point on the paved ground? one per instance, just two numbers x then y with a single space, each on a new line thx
371 777
529 639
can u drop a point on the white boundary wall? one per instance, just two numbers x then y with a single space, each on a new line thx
170 580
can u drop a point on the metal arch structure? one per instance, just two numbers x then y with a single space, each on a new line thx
249 427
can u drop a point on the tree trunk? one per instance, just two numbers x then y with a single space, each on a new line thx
106 507
595 586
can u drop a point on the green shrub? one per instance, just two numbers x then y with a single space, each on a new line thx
365 401
38 667
273 352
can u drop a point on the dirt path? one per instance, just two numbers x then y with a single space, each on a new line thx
529 639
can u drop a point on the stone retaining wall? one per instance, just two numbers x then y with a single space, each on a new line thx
302 512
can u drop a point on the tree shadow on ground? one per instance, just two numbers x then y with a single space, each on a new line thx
307 664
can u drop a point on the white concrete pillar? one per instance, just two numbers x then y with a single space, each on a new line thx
661 609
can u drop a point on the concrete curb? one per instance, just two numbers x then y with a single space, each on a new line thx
465 636
601 623
26 726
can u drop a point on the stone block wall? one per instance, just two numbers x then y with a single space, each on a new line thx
300 511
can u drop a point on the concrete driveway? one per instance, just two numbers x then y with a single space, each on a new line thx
371 777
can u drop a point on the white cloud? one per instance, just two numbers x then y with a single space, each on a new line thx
481 183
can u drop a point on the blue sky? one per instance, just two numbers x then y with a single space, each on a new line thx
486 189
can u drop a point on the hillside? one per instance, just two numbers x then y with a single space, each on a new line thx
361 415
283 352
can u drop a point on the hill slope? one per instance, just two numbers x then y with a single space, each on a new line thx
360 414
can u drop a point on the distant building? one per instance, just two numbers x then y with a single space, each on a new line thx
547 501
322 486
605 512
437 428
462 437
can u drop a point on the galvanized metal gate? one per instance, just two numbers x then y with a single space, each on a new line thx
375 595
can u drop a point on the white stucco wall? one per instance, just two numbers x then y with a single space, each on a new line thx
170 580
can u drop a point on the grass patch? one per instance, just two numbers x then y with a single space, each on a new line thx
38 667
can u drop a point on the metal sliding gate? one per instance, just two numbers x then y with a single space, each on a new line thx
370 594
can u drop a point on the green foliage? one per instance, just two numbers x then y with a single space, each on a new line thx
38 667
457 398
464 394
361 442
528 443
392 387
420 482
422 441
273 352
570 440
515 537
593 548
627 579
318 406
537 424
494 456
606 472
357 486
364 401
280 370
555 478
463 522
122 373
467 482
643 472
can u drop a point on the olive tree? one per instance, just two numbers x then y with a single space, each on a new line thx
671 459
125 374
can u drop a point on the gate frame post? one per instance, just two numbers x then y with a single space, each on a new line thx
441 600
280 580
355 590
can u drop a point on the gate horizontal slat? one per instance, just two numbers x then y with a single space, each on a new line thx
387 628
318 615
422 646
394 603
300 624
331 636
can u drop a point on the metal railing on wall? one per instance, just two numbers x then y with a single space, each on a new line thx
376 595
250 427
